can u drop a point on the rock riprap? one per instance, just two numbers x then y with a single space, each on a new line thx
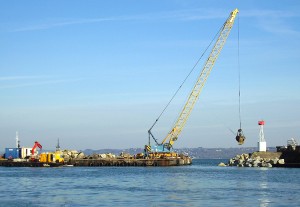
254 160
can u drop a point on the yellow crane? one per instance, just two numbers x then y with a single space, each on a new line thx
165 146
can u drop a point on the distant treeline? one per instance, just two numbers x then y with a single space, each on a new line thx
200 152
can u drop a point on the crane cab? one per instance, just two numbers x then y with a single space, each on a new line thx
159 151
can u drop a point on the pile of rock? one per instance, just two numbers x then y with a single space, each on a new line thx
253 160
72 154
101 156
125 155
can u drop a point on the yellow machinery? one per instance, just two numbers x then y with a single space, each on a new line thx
163 149
51 157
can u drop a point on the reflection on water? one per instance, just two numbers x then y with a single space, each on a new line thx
264 200
263 184
202 184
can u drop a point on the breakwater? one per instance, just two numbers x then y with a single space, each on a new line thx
257 159
284 157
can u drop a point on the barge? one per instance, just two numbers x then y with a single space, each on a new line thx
176 161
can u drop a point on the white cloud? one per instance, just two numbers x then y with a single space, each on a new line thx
12 78
187 15
61 24
179 15
274 21
33 81
269 13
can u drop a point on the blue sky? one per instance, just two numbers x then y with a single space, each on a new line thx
96 74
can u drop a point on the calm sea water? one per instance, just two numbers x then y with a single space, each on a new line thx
201 184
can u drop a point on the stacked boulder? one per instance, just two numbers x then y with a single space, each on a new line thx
72 154
107 156
250 160
101 156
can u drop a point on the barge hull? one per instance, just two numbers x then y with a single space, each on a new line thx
131 162
103 162
10 163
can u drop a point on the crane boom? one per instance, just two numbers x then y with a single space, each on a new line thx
187 109
36 144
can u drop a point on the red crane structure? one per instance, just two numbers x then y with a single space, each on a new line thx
36 144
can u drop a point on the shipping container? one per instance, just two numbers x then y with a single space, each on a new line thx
43 157
12 153
26 152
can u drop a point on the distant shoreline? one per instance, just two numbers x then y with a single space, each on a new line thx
196 153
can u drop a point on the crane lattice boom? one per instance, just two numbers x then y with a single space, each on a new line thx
187 109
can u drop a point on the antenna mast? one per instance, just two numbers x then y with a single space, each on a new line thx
57 146
17 140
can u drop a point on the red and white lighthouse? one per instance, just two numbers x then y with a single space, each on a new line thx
262 145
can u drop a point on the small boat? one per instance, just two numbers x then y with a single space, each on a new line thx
68 165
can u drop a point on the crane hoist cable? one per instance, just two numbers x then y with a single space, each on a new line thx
239 72
240 137
183 82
